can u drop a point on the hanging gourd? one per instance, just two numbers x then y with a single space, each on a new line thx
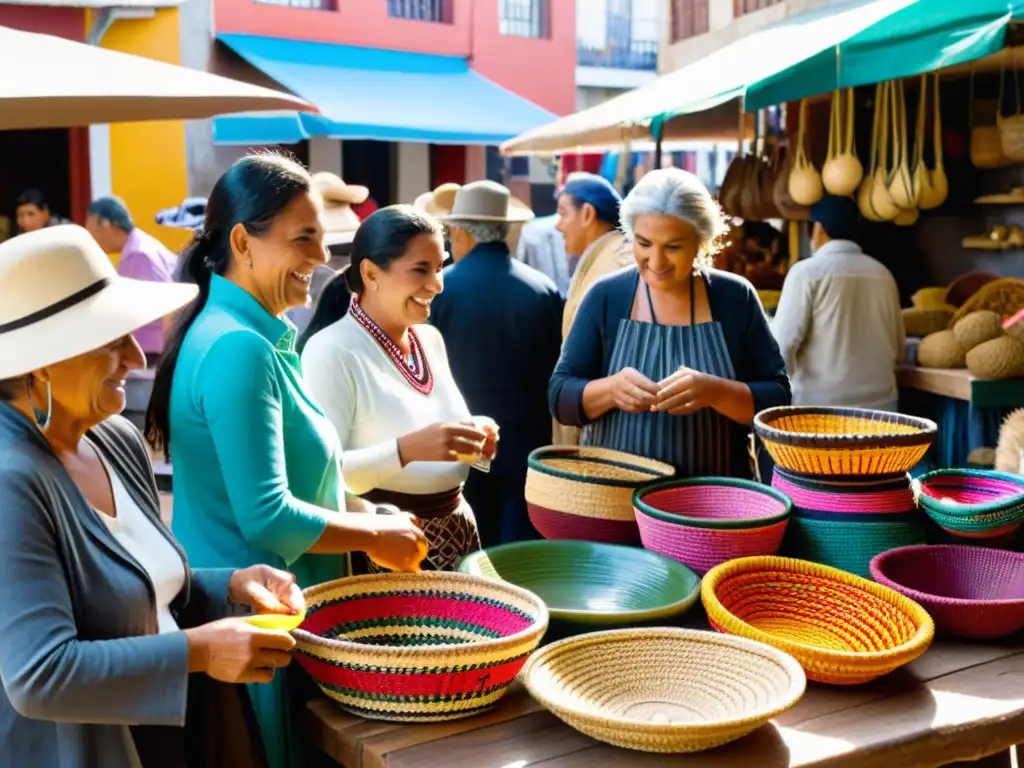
842 170
938 190
881 203
935 187
901 185
866 184
804 180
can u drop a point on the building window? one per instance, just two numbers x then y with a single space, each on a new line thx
437 11
315 5
523 18
621 39
741 7
690 18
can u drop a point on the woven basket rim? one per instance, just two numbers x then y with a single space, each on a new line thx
879 561
797 676
922 637
968 510
844 483
745 523
927 429
598 456
438 580
670 609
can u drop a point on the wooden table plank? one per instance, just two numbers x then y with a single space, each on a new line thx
961 385
958 702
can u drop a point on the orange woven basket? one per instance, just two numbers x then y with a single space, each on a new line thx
843 441
842 629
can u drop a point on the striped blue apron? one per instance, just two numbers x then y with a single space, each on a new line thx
698 444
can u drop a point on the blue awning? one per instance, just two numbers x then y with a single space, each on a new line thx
368 93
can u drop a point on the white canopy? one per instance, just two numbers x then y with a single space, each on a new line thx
68 84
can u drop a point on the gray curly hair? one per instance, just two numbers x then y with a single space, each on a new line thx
678 193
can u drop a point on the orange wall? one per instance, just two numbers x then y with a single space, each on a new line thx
542 71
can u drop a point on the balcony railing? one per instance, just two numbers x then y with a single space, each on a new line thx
634 54
742 7
690 18
524 18
437 11
313 5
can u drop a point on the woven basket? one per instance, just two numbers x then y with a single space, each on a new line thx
850 545
969 592
704 521
418 647
587 585
843 441
842 628
663 689
587 493
859 496
972 503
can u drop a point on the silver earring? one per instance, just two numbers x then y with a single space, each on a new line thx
375 286
43 417
249 264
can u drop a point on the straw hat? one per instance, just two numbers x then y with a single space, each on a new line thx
485 201
340 221
60 297
440 201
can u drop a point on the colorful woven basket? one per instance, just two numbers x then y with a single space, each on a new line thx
704 521
663 689
418 647
973 503
846 521
843 441
842 628
587 493
972 592
588 585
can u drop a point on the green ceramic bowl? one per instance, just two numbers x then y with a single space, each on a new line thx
584 582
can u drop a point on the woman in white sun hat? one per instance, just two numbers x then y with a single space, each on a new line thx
101 619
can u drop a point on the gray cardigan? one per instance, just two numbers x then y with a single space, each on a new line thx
80 658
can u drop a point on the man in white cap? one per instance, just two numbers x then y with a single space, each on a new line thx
502 323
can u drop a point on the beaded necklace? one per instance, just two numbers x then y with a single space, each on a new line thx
415 368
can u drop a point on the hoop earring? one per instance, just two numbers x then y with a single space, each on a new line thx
43 417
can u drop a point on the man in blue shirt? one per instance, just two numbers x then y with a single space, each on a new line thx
501 321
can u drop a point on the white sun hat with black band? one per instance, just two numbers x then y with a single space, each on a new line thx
60 297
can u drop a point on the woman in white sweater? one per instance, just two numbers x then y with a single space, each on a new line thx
381 375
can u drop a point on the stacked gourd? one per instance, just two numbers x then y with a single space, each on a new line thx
978 342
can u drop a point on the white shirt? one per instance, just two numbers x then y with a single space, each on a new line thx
140 537
371 404
840 328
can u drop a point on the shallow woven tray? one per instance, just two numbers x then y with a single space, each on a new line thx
587 493
663 689
592 583
842 628
843 441
972 592
418 647
977 503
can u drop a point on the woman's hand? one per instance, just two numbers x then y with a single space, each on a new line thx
632 392
442 442
266 590
396 542
234 651
686 391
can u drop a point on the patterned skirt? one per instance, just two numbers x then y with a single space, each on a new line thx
448 523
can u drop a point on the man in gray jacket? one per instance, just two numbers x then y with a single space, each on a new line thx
839 323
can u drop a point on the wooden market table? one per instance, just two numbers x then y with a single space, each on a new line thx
959 384
956 703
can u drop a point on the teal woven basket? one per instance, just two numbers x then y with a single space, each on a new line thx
851 545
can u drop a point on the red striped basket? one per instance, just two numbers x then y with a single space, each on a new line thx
418 647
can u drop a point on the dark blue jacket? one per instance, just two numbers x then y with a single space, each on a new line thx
502 324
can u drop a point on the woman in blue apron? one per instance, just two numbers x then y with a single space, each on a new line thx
670 359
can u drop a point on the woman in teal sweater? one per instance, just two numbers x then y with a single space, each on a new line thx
257 476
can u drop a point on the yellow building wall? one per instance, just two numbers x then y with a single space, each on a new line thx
147 160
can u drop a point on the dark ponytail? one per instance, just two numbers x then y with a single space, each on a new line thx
382 237
253 192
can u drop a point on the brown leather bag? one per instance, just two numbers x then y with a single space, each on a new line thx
732 184
750 193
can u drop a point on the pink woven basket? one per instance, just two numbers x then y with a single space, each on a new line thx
704 521
970 592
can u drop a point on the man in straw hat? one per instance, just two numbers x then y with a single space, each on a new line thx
501 321
439 202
